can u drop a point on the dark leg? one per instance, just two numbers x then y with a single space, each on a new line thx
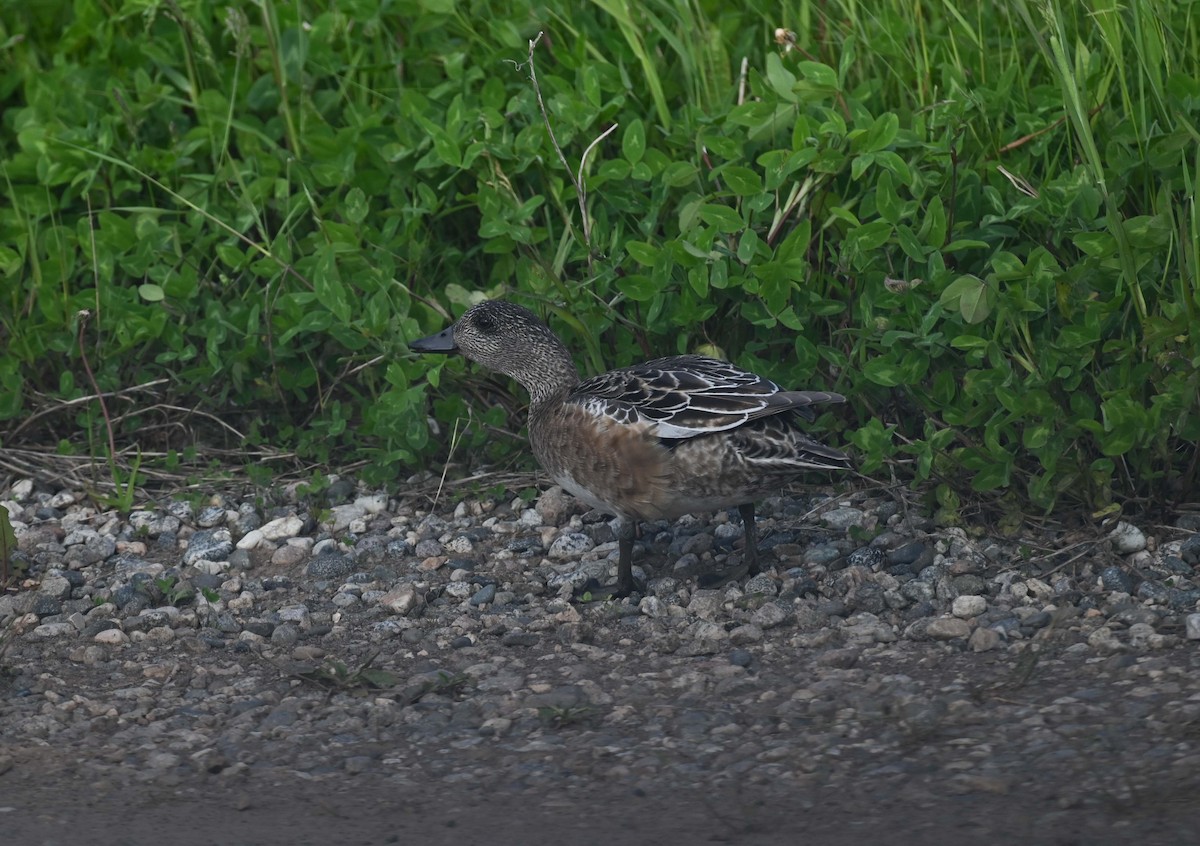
750 556
625 559
625 584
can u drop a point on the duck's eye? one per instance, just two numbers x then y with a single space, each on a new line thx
485 323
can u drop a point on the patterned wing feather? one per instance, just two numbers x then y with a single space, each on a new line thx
689 395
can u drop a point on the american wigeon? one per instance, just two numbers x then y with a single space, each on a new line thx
650 442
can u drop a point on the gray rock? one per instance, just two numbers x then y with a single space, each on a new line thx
519 639
210 516
55 586
1116 578
822 554
53 630
770 615
208 545
870 557
843 517
554 506
1189 550
285 635
761 584
906 554
562 697
741 658
570 545
743 635
984 640
332 565
484 595
947 628
428 548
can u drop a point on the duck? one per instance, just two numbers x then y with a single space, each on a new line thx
655 441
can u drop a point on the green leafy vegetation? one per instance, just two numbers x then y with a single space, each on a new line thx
979 224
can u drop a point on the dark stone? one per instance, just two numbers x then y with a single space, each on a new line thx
969 585
525 547
461 642
519 639
918 610
428 548
74 578
399 548
1190 550
208 545
484 595
45 606
278 582
1176 565
1153 591
866 597
94 627
1183 600
1115 579
906 554
210 581
263 628
741 658
1037 621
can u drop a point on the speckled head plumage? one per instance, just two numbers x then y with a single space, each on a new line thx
512 340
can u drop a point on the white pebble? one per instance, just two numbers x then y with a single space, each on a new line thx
112 637
251 539
1127 538
282 527
966 607
1192 621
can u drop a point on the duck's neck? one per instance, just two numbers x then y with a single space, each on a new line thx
548 377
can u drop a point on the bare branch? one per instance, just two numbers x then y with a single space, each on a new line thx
576 180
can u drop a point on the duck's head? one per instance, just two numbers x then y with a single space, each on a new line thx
509 339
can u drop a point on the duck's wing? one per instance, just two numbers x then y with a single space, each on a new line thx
689 395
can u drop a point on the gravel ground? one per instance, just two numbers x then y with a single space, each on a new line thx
367 669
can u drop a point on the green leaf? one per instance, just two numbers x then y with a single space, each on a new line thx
994 475
935 223
327 285
886 199
355 206
642 252
819 74
678 174
723 218
781 79
882 371
150 292
870 236
633 143
965 244
741 180
882 133
1095 244
638 287
973 297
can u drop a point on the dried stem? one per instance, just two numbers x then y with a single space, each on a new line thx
576 180
112 444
